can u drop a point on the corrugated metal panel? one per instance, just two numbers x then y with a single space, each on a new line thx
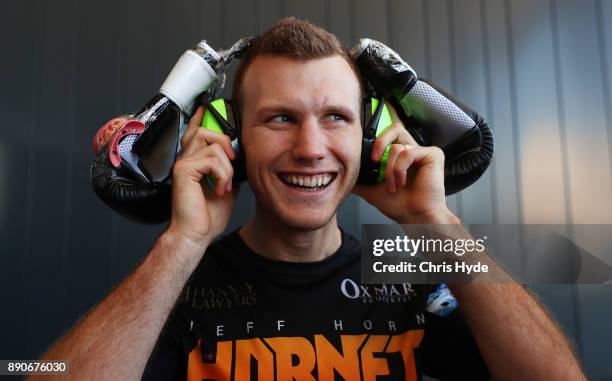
540 71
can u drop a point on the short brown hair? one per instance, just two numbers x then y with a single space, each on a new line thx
294 38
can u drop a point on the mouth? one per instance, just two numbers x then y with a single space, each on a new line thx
308 182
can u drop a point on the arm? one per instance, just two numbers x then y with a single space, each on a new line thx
528 344
517 338
115 339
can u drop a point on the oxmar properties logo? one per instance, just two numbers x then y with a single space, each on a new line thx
383 293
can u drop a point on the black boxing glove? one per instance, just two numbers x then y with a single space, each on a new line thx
124 188
431 116
135 154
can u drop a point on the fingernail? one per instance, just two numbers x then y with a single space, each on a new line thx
229 186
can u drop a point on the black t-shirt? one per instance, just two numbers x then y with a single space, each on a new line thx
243 316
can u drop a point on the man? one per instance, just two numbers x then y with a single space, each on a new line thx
280 298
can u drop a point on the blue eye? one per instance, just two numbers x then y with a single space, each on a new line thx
334 118
280 119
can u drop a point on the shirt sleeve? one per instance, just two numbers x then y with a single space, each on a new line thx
449 351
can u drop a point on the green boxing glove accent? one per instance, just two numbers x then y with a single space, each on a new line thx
209 121
220 117
384 123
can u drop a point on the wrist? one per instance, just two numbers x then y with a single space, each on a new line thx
185 238
442 216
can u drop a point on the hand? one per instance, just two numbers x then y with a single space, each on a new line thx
198 212
413 190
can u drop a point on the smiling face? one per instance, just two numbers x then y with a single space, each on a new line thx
301 134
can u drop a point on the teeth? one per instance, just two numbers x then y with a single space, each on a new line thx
308 181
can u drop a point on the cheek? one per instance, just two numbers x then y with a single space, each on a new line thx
348 146
262 147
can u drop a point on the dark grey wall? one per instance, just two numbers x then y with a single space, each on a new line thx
540 71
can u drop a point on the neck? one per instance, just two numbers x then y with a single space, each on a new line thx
271 238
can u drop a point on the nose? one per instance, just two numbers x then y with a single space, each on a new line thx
310 140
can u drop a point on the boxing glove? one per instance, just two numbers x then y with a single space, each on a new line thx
135 153
432 117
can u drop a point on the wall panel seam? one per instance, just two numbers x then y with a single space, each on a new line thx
450 15
605 79
514 109
561 115
488 101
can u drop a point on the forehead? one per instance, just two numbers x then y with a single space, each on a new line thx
284 79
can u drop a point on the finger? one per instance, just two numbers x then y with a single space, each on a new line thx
209 137
427 155
394 152
419 157
203 137
215 154
383 140
194 130
396 133
211 160
192 127
219 173
226 197
404 161
406 137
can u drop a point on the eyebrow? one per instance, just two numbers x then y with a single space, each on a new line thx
339 109
282 109
276 109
